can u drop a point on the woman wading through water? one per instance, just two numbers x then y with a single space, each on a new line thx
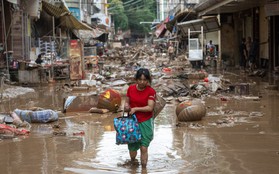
141 101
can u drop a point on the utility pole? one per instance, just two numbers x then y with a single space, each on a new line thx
52 45
5 40
158 15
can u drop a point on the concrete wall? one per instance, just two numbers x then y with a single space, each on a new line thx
263 35
242 27
211 36
229 44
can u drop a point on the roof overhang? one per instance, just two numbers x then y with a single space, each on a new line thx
181 17
13 1
211 7
209 24
65 16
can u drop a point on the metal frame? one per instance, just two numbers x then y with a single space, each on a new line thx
195 54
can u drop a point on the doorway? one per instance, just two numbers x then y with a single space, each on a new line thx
275 40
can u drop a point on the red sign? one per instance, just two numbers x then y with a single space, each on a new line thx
75 60
73 43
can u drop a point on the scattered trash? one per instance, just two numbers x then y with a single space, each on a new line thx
80 88
8 120
262 132
9 130
254 98
56 126
240 89
81 133
223 99
99 111
16 120
256 114
59 133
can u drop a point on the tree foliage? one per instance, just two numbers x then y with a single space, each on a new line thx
135 11
119 16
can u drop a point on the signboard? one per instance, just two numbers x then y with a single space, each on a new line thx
75 60
75 12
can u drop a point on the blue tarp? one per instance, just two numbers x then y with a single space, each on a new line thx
99 45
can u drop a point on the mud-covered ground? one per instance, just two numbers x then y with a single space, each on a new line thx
237 135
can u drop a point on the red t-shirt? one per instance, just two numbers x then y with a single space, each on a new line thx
140 99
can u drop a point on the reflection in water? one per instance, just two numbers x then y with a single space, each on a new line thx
209 149
167 153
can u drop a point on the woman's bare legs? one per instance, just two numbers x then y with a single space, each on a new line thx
133 155
143 156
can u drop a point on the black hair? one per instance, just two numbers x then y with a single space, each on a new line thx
145 72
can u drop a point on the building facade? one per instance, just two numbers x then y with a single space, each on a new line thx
243 19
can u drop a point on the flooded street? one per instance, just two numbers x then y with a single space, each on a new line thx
207 70
238 135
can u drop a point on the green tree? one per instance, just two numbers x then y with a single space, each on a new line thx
136 17
117 10
142 12
136 11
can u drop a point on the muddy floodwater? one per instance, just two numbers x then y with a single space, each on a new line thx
238 135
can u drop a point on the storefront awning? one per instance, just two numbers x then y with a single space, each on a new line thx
66 18
13 1
95 34
161 28
209 24
181 17
210 7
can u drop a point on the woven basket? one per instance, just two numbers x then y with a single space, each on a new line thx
190 111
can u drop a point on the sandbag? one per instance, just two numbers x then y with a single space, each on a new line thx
44 116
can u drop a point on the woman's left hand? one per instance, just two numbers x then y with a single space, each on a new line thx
132 111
